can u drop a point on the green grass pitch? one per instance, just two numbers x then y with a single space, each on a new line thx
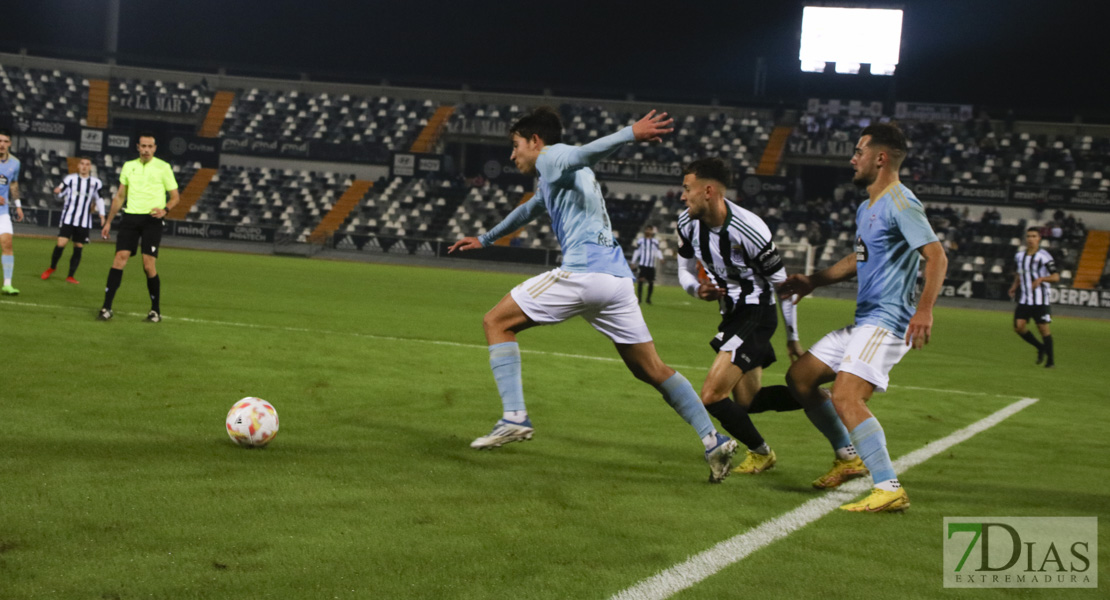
117 479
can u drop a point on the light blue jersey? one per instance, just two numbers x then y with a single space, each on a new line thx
888 235
9 174
570 193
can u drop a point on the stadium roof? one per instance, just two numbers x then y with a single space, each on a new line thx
1027 54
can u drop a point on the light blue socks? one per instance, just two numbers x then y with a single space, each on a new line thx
8 261
825 419
685 401
504 361
870 442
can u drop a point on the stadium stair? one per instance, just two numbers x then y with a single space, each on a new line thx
1092 261
507 240
192 193
217 112
430 135
97 115
338 213
773 153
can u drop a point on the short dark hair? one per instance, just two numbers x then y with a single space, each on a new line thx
543 121
710 168
1036 230
6 131
887 134
143 134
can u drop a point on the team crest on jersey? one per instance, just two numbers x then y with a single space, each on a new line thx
861 249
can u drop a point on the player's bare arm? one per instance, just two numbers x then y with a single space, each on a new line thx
936 267
803 285
15 200
158 213
652 127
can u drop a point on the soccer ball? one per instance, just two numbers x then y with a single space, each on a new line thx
252 422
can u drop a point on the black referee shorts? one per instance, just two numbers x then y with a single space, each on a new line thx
79 235
136 228
747 331
645 274
1038 313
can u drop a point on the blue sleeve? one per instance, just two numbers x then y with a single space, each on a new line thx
521 215
15 174
914 225
558 160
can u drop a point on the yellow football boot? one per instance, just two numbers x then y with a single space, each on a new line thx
842 471
881 501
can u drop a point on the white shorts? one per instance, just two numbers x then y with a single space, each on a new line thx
868 351
607 302
5 220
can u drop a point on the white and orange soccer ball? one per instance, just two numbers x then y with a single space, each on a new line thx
252 422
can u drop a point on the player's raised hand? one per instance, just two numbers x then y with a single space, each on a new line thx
919 329
467 243
652 127
795 285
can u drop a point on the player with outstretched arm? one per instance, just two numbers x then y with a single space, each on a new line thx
594 280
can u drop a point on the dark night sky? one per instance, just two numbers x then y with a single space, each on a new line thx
1026 54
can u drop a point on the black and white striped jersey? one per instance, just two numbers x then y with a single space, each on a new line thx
79 193
739 256
647 253
1030 267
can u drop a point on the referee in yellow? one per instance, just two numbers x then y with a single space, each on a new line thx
144 184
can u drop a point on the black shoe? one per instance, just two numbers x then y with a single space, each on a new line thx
153 317
1040 355
104 315
1050 365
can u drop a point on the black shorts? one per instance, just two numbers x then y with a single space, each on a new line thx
646 273
1038 313
133 228
747 332
79 235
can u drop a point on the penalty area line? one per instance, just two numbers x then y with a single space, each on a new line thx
701 566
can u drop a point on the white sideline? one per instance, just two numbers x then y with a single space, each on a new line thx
387 338
670 581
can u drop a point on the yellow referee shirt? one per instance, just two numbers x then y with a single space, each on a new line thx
146 185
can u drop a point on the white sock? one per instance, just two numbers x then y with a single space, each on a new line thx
763 450
516 416
846 453
710 440
890 485
7 281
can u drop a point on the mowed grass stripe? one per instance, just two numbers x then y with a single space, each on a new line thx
389 338
702 566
